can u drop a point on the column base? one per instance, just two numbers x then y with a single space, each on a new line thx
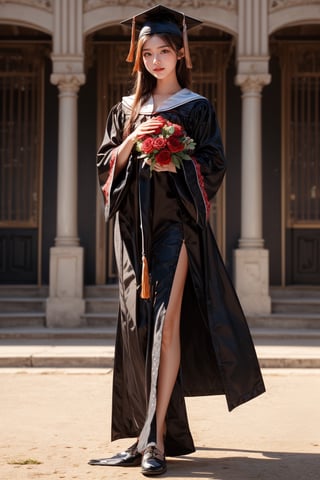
65 305
65 312
251 280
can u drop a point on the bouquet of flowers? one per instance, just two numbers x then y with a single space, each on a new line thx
168 143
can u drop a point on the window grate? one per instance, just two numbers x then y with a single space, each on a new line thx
302 75
20 137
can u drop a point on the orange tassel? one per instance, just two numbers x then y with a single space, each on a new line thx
187 55
145 284
130 56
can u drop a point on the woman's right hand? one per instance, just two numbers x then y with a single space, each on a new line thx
148 127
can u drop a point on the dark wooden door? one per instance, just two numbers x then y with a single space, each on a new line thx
301 92
21 72
303 261
18 256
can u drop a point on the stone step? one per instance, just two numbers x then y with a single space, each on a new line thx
57 334
295 292
92 352
282 340
22 319
280 336
296 305
22 304
28 309
93 347
56 353
38 319
105 319
101 320
101 291
23 291
285 321
286 336
101 305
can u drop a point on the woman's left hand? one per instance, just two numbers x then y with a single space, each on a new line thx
170 167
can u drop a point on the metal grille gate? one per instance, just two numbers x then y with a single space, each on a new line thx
301 87
20 162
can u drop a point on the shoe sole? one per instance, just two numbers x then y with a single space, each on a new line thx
151 473
115 463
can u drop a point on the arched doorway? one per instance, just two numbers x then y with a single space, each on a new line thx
210 50
299 53
21 133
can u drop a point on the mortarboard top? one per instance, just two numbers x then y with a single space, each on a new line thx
160 19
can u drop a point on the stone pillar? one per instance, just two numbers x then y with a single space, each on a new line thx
251 260
65 304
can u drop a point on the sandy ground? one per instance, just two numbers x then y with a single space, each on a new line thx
61 418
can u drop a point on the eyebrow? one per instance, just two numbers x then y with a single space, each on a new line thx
160 46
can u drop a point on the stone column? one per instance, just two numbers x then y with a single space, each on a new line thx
65 304
251 259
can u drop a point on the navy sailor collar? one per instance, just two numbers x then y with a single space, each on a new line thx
176 100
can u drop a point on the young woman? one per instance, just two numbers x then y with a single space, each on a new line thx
181 331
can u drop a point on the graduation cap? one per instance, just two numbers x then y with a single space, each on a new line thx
158 20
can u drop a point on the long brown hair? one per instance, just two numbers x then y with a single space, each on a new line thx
145 83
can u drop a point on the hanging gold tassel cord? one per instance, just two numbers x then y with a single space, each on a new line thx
187 55
130 56
145 281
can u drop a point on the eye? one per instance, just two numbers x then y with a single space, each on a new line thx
146 54
165 50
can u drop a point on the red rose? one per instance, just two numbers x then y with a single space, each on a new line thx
178 130
159 143
159 128
175 145
163 157
161 119
147 145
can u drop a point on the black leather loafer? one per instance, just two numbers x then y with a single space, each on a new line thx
129 458
153 462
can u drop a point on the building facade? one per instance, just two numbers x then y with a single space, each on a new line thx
62 68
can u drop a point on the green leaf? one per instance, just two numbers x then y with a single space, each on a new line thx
170 129
175 160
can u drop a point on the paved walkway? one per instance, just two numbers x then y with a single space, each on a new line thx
95 353
53 421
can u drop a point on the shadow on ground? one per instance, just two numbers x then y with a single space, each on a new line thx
271 466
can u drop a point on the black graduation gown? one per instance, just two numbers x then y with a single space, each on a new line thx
217 352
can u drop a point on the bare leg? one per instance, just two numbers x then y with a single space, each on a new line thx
170 346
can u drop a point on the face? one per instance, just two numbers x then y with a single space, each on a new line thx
159 58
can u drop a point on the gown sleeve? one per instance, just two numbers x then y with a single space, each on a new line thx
113 188
199 179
